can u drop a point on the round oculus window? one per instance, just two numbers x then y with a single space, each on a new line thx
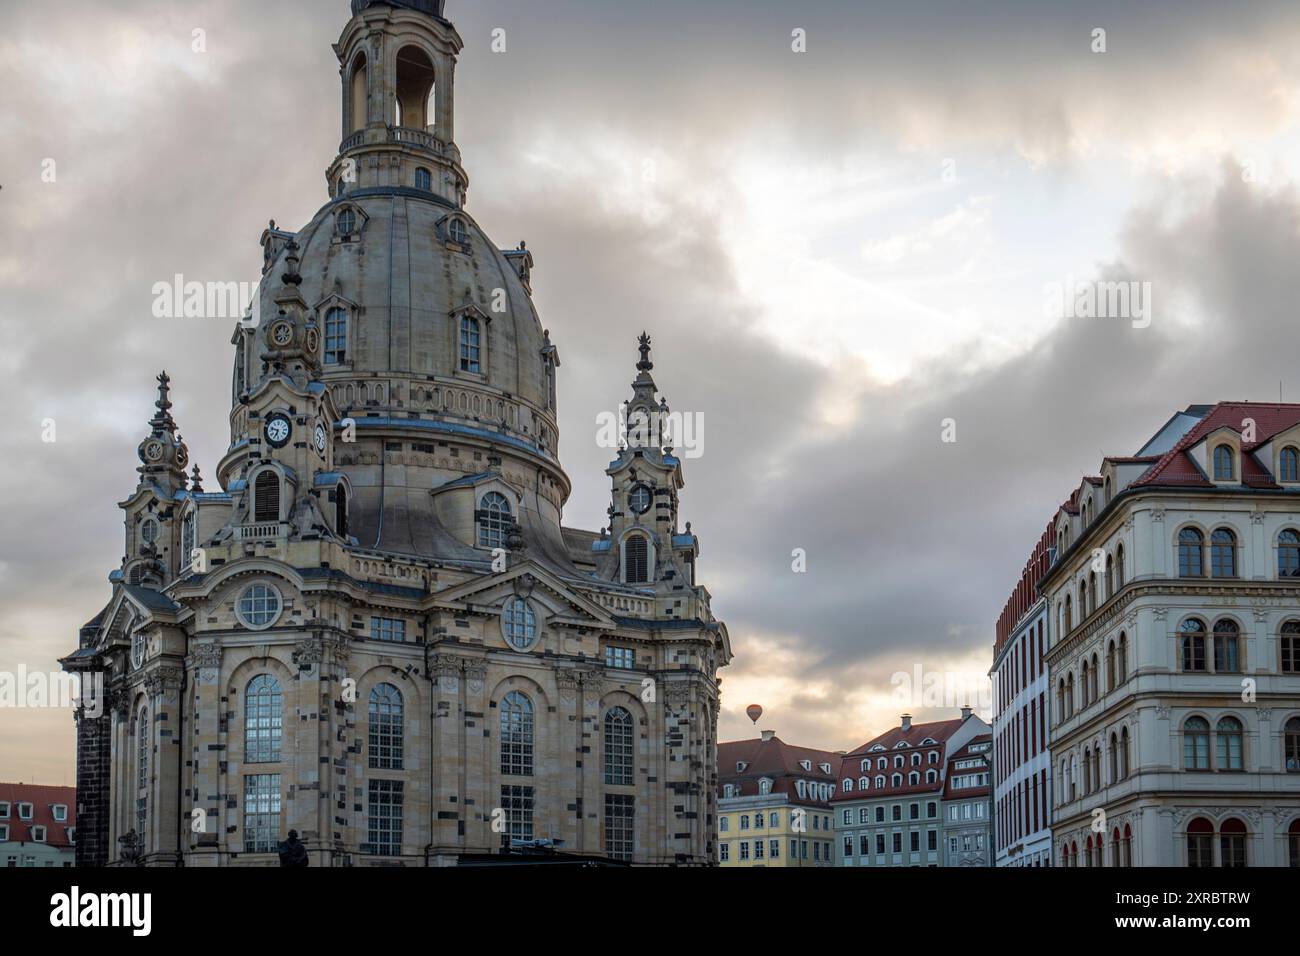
639 499
259 606
519 624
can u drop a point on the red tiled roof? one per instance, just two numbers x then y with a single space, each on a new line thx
1176 467
777 761
42 800
965 753
851 763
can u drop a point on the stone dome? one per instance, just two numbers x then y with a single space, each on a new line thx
431 7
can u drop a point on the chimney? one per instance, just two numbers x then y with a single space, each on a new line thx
965 712
768 735
907 721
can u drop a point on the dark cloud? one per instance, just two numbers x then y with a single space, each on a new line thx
170 165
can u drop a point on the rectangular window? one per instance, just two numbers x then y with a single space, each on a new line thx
880 814
932 840
4 810
388 629
862 814
848 846
897 811
1290 655
1200 849
914 841
724 852
758 849
914 812
774 849
384 818
880 843
794 849
261 812
621 657
38 834
744 821
336 337
24 811
470 352
620 825
898 843
4 832
744 849
60 813
517 802
848 816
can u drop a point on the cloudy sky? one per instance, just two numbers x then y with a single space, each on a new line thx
835 251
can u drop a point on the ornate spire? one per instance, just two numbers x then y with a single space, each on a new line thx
162 420
645 364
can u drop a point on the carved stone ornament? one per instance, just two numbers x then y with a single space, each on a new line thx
308 650
524 585
1162 711
206 654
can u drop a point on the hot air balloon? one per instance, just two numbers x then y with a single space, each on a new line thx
753 712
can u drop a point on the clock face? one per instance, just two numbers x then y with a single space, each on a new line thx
639 499
282 334
320 437
278 430
153 450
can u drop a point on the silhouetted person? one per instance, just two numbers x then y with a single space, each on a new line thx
293 852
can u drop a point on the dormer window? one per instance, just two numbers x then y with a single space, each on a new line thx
825 767
806 764
494 517
60 812
1224 465
24 811
471 345
346 221
741 766
456 229
336 336
38 834
765 786
1289 465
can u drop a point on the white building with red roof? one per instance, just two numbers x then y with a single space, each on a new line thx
1174 659
38 825
888 805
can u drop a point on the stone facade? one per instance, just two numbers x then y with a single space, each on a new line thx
378 632
1155 636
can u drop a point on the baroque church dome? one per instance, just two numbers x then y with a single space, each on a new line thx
425 330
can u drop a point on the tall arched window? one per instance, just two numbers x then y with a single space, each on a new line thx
517 735
1223 554
1289 462
1223 463
358 93
341 511
1069 695
519 623
1196 744
1200 843
1228 737
1087 771
1114 757
1232 843
636 556
1123 754
263 717
1094 692
1193 644
494 519
1119 565
1110 666
266 497
1110 576
1069 625
471 345
336 336
618 747
1227 659
1190 553
143 746
387 728
1121 663
187 540
1288 554
1083 685
1291 745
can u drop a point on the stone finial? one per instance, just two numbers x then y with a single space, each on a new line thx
196 480
645 364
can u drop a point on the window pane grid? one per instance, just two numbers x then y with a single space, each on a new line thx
386 728
261 812
384 817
